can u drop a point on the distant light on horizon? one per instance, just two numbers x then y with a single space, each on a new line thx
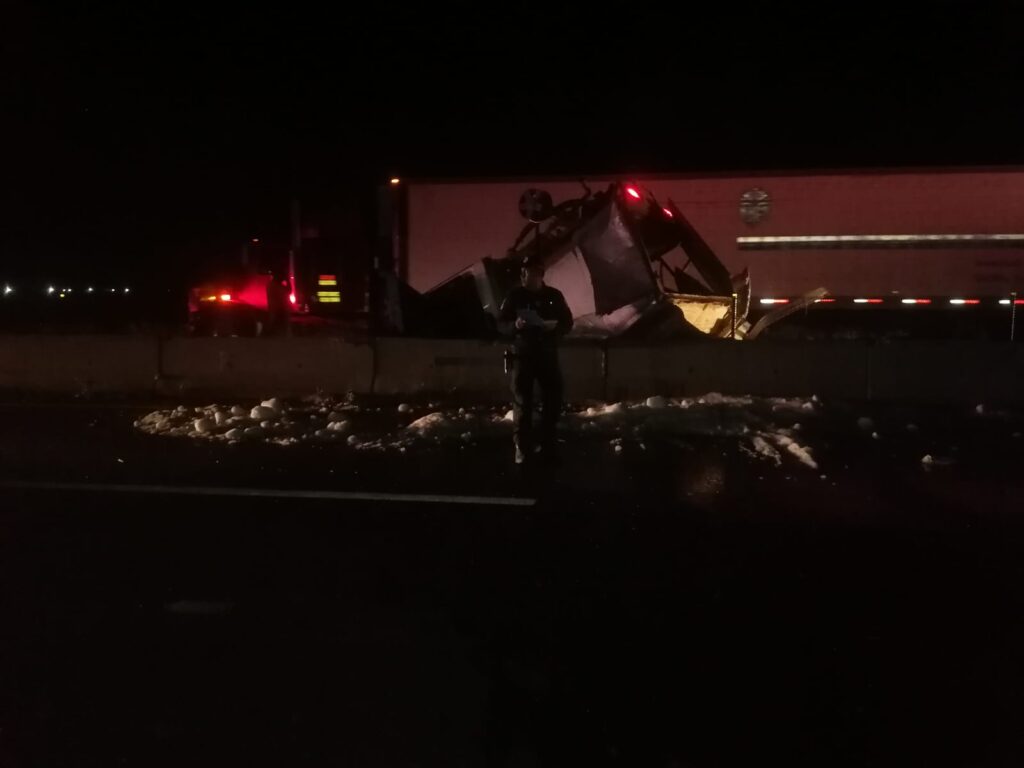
126 290
7 290
89 289
50 289
395 181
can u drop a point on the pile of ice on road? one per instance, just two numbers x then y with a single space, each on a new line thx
752 422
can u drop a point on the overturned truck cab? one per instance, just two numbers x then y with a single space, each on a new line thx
606 252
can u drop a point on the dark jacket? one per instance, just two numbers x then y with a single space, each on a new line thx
549 304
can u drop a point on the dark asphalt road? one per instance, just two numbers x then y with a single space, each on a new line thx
680 606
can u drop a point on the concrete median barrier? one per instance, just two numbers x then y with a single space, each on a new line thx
947 372
440 367
738 368
911 371
583 370
78 364
265 367
475 369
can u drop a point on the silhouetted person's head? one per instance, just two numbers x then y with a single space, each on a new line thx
532 275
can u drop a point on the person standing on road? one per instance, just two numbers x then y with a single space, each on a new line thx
537 316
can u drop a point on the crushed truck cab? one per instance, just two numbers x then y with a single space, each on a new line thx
606 252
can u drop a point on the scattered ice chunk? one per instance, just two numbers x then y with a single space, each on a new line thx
234 434
510 416
865 423
799 452
656 401
273 403
353 440
875 436
267 424
764 449
261 412
467 436
980 409
927 459
716 398
334 416
237 410
431 421
404 408
339 426
253 432
219 417
204 426
618 449
324 434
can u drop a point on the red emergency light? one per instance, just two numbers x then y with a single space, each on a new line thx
291 298
824 301
667 212
225 297
633 192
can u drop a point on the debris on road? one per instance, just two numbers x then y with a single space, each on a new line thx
758 425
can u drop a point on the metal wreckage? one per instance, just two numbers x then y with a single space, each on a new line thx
608 253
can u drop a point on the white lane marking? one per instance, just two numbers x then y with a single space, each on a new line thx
271 493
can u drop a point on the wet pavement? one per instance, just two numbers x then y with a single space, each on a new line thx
679 604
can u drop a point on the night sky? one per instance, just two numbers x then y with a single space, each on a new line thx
145 138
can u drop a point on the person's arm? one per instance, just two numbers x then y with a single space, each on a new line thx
507 317
563 323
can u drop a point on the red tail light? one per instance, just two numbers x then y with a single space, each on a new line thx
225 297
633 192
667 212
291 298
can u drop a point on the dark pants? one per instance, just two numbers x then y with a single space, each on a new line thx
542 368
